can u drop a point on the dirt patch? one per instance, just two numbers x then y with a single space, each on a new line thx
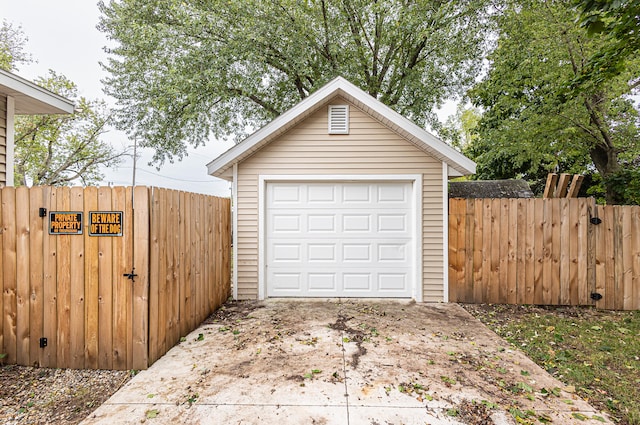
30 395
351 335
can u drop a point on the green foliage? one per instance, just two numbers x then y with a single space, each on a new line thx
60 150
12 41
533 123
620 21
183 71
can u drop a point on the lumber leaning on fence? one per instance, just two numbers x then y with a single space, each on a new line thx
73 301
544 251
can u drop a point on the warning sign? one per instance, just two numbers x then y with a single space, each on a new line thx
65 223
105 223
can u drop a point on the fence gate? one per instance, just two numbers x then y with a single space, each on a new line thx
107 277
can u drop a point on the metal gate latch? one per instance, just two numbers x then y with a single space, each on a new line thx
131 275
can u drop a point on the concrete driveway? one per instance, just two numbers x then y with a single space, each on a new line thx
343 362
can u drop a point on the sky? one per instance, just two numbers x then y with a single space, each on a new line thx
62 36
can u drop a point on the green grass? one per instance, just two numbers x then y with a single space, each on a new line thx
597 352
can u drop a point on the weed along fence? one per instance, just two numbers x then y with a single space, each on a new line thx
107 277
544 251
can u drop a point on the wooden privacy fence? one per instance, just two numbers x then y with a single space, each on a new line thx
544 251
144 272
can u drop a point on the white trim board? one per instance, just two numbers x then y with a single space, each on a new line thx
415 179
234 230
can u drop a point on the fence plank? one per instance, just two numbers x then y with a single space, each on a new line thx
175 261
141 251
503 242
121 286
76 285
130 265
36 273
163 316
2 280
521 252
635 249
63 295
9 273
91 285
610 259
182 270
154 275
511 282
572 262
565 259
454 241
22 276
50 352
585 264
627 260
105 289
554 250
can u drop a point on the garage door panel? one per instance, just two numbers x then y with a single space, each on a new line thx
339 239
286 194
356 194
322 194
392 252
356 223
389 194
393 223
285 223
289 282
286 253
357 282
321 252
321 223
392 282
322 282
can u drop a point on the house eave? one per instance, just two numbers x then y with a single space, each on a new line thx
31 99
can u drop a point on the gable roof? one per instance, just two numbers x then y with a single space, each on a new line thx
458 163
30 98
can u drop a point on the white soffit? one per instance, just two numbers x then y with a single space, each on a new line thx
31 99
459 164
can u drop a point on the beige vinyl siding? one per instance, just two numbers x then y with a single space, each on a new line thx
370 148
3 140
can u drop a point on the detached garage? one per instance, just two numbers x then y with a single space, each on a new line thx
340 197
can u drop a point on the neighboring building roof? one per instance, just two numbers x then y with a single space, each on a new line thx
31 99
515 188
458 164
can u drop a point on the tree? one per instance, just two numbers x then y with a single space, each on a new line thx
12 41
619 19
533 122
460 129
184 70
60 150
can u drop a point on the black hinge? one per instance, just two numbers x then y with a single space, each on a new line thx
43 342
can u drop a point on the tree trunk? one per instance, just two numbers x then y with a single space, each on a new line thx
605 159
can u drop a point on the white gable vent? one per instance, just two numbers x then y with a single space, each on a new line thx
338 119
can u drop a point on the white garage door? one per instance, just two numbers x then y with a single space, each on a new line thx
347 239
